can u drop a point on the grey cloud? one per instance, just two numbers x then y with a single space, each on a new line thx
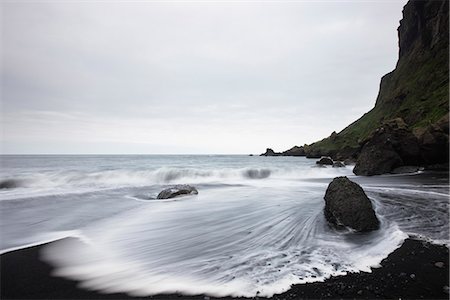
254 74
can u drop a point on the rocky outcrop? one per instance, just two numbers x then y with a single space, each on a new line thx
346 205
415 91
325 160
270 152
390 146
177 190
294 151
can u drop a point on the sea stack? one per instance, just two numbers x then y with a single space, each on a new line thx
347 205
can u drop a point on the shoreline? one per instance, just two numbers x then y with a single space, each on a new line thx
418 269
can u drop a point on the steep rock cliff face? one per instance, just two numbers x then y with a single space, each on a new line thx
416 91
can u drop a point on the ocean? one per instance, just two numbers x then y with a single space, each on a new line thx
255 228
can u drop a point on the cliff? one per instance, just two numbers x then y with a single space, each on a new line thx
416 91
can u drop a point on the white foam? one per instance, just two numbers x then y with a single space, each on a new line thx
220 245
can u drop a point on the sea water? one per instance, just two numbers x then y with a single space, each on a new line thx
255 228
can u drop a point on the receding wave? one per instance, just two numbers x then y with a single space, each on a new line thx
220 246
164 175
257 173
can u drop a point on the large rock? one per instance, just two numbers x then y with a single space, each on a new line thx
390 146
346 205
177 190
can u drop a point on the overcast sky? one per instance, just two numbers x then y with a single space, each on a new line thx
189 76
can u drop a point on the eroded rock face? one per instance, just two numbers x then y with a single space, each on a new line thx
433 141
347 205
390 146
177 190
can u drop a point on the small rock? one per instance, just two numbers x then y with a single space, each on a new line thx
412 276
402 274
206 298
325 160
439 264
360 292
177 190
9 184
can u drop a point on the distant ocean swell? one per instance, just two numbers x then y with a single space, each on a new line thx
117 178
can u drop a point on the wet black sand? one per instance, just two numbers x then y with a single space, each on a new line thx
417 270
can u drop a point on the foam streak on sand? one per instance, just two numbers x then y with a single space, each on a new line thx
255 228
211 244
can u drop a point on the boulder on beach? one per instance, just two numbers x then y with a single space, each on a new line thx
325 160
390 146
177 190
346 205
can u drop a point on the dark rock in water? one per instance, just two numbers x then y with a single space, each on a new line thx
325 160
250 155
270 152
177 190
405 170
256 173
390 146
346 205
338 164
9 184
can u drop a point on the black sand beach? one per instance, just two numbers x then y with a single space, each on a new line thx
417 270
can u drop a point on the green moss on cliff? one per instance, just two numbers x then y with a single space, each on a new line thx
418 89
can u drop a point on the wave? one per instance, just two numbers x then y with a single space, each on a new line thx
219 247
164 175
